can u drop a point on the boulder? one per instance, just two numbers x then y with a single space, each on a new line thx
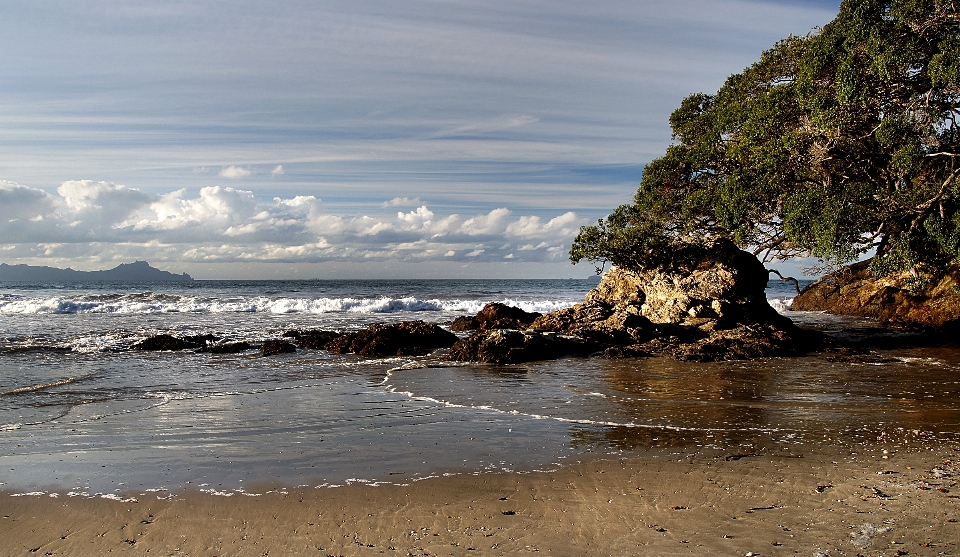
201 340
313 339
495 315
274 347
902 300
228 347
464 323
164 342
717 282
702 303
598 322
508 346
409 338
742 342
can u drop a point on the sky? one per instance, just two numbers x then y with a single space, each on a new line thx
347 139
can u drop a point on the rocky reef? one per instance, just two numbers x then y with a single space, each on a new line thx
495 316
408 338
903 300
702 303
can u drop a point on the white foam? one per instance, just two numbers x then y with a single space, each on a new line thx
150 303
781 303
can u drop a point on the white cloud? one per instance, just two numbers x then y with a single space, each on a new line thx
99 220
402 202
492 223
234 172
277 170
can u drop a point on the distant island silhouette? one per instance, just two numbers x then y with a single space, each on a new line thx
138 271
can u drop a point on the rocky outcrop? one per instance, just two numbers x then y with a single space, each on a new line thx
855 291
506 346
274 347
409 338
228 347
165 342
705 303
495 315
313 339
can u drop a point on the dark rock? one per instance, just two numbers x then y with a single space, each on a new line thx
744 342
507 346
164 342
315 339
465 323
228 347
274 347
201 339
409 338
905 300
501 316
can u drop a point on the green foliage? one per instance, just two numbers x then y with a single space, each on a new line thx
835 145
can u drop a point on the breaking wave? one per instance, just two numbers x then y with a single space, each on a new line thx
147 303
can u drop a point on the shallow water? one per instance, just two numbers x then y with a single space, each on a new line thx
80 412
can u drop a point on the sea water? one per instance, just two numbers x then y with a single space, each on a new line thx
81 412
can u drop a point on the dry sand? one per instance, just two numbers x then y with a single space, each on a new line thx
827 502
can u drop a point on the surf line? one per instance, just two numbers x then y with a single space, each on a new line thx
39 387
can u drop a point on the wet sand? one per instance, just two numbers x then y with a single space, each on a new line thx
829 500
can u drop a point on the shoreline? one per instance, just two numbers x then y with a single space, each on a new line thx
836 500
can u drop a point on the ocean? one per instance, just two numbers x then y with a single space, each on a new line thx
83 414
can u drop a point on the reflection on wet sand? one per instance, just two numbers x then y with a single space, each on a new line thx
781 401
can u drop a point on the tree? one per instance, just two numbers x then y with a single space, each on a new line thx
833 145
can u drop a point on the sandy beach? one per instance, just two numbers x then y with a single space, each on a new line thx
828 501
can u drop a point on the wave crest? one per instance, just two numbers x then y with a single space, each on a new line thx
163 303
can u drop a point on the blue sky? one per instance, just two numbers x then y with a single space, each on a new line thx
326 139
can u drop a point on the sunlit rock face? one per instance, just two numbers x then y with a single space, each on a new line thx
701 303
714 282
905 300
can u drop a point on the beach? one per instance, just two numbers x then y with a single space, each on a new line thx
826 501
109 449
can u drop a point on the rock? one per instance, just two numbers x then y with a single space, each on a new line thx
465 323
228 347
744 342
716 282
164 342
495 315
507 346
201 339
409 338
704 303
855 291
313 339
274 347
598 322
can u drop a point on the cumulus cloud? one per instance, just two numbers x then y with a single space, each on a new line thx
277 170
87 219
235 172
402 202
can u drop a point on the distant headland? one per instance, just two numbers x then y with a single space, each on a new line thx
138 271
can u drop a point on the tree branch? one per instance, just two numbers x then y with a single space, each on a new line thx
796 283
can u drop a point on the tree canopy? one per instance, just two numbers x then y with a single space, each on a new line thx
835 145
